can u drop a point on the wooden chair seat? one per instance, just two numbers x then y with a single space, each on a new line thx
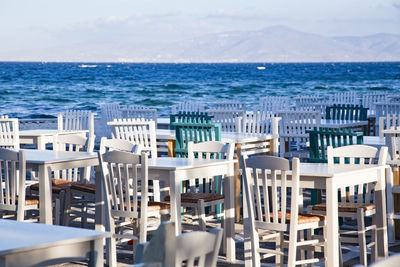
30 200
195 197
303 218
346 206
56 189
87 188
154 206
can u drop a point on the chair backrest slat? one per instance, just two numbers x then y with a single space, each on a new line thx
9 132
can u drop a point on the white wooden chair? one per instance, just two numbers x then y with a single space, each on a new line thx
266 209
274 103
73 120
140 112
206 191
387 108
344 98
107 145
123 207
141 132
109 112
259 122
9 132
370 99
390 121
228 105
136 131
13 197
188 107
293 137
393 143
304 102
193 249
87 191
357 204
227 118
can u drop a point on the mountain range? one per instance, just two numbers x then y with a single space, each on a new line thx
272 44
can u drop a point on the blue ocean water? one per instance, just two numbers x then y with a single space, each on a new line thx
37 90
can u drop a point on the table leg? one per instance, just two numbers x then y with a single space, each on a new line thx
175 201
237 183
100 205
97 254
332 223
45 196
229 215
381 225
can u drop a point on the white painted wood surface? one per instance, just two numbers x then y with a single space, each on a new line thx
44 161
227 118
28 244
188 107
267 211
12 183
9 132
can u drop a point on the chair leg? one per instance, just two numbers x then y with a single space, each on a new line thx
67 207
279 247
361 237
325 235
292 248
310 252
202 216
374 239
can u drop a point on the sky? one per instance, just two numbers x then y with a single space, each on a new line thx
35 29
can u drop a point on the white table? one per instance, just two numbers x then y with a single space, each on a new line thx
321 176
45 160
41 137
176 170
26 244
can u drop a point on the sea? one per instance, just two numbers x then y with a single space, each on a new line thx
42 89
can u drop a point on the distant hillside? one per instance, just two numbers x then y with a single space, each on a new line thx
282 44
272 44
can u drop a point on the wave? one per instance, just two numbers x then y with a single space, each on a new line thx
379 88
89 66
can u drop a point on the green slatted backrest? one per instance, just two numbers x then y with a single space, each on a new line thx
321 138
346 112
189 117
196 131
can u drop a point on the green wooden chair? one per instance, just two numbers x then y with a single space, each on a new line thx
197 130
198 117
320 139
346 112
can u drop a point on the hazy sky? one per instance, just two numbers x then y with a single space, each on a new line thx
28 26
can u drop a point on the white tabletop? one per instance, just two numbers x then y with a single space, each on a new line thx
169 163
324 170
342 123
225 136
376 141
47 132
22 236
49 156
